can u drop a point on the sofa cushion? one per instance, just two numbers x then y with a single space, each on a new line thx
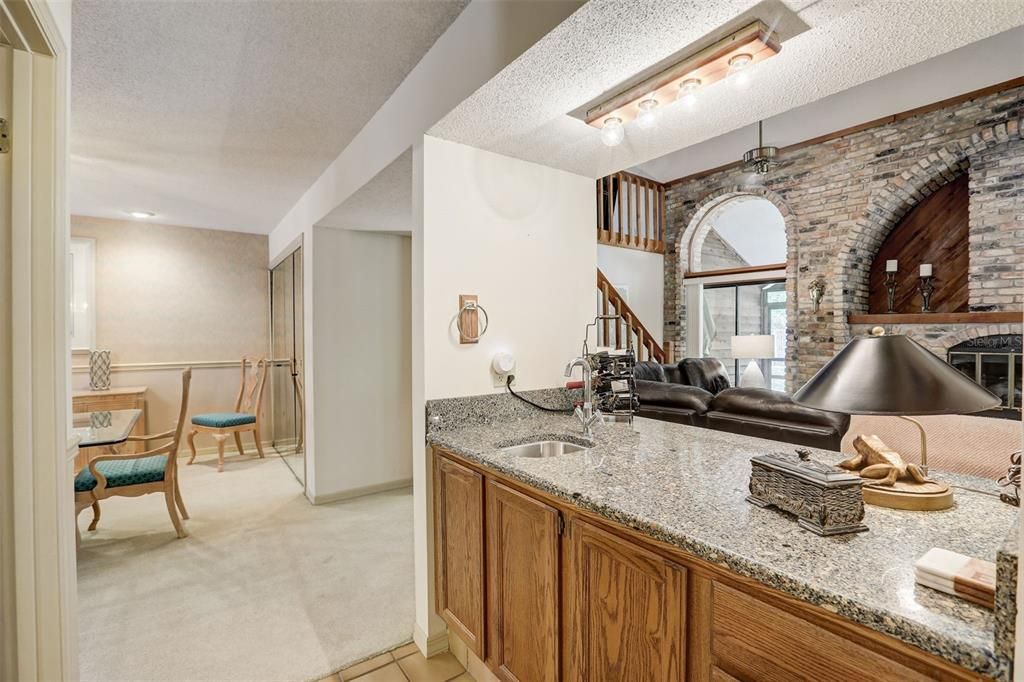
223 420
122 472
778 406
648 370
672 395
706 373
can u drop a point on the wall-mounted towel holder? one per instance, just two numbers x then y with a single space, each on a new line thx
468 319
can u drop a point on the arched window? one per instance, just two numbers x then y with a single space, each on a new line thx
742 232
736 279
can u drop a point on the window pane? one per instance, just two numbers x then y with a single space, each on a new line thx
720 326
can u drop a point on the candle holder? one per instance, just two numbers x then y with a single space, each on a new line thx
926 288
890 290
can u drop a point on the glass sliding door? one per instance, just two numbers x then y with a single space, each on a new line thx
740 310
286 379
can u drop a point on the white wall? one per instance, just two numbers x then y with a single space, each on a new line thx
361 342
521 237
643 273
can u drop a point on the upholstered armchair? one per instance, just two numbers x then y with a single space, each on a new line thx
245 418
130 475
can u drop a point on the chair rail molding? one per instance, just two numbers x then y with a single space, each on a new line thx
171 365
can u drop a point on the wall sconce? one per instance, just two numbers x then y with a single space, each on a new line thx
817 290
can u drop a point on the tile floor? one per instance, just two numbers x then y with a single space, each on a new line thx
404 664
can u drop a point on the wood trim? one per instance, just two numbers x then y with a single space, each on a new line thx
887 645
1011 317
860 127
734 271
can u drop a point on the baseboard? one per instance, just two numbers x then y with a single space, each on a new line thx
360 492
430 646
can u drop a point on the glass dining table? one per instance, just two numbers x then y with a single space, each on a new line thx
105 428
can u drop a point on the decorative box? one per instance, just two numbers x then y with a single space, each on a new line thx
825 498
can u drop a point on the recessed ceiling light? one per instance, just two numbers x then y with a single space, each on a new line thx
141 214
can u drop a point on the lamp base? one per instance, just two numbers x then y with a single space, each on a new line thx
752 376
930 496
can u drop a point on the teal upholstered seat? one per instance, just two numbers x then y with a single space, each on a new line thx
120 472
223 420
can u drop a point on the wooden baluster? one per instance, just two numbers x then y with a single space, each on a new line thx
636 223
663 224
624 213
640 342
600 209
604 310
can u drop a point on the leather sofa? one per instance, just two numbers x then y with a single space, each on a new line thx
696 392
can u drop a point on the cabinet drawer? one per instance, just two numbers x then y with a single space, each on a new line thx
752 640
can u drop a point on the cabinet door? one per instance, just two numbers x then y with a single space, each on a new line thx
522 586
628 610
459 550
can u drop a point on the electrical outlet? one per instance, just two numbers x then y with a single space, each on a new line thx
501 379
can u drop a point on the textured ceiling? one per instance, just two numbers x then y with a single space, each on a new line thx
221 114
384 204
975 66
523 112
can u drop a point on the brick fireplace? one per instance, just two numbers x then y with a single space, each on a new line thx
842 197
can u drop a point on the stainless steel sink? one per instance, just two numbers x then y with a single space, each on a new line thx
543 448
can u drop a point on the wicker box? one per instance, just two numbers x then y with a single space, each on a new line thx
826 499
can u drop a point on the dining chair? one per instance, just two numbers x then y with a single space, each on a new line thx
246 416
131 475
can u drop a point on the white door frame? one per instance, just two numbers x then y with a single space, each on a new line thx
38 630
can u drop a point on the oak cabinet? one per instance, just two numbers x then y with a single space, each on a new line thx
541 590
627 610
523 600
459 550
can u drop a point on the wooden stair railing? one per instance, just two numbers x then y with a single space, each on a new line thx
631 212
630 333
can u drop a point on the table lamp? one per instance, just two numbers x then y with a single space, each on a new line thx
894 375
755 347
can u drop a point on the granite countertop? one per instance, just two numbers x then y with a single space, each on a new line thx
687 486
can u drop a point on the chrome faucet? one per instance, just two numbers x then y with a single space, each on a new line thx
587 415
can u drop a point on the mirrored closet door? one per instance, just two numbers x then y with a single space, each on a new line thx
286 378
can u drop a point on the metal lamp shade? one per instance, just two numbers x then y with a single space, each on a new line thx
892 375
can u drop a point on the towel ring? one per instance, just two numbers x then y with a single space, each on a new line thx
471 305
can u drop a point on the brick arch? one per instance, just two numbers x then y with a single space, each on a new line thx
889 203
688 243
696 230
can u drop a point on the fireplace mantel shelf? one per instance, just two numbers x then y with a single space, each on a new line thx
938 318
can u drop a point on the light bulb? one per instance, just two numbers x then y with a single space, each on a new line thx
141 214
647 117
688 92
738 74
612 133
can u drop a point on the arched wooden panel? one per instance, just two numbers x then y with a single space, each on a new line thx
935 231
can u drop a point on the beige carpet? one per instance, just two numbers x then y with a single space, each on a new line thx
979 446
267 586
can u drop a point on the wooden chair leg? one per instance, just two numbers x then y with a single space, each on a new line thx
238 443
192 445
172 509
259 441
177 498
95 515
220 438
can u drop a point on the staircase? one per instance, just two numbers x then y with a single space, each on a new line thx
628 332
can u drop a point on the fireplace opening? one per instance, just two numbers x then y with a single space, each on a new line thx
994 362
